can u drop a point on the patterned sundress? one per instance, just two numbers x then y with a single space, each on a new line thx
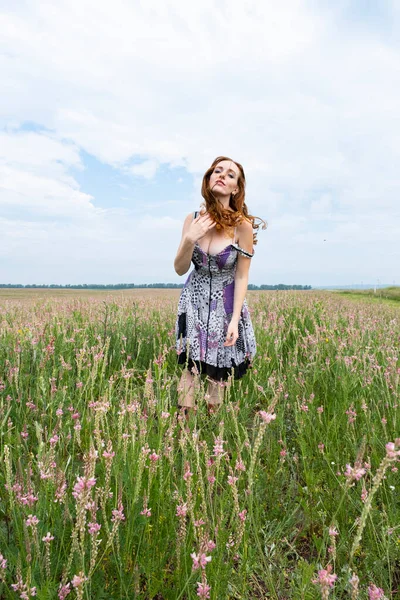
204 312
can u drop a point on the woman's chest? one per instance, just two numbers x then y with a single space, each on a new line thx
214 242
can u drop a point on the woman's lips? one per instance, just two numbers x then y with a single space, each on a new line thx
220 183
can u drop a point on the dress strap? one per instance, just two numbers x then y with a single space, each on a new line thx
195 214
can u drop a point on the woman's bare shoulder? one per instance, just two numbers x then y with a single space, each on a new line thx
245 226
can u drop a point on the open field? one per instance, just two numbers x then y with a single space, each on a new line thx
389 295
290 491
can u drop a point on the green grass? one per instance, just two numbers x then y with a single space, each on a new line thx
390 295
82 378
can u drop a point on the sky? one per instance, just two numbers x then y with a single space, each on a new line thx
111 112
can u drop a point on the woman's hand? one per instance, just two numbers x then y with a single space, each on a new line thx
232 334
199 227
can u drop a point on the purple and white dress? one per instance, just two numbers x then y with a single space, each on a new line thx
204 312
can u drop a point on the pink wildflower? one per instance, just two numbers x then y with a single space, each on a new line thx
181 510
211 545
218 447
242 515
78 580
325 580
232 480
203 590
31 521
199 523
118 514
109 455
240 466
187 474
93 528
391 451
146 512
154 457
83 484
199 560
267 417
354 473
375 593
48 538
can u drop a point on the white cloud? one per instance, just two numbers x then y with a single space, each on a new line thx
34 175
146 169
310 108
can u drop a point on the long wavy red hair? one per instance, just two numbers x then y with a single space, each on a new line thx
228 219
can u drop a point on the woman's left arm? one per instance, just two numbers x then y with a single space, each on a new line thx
245 231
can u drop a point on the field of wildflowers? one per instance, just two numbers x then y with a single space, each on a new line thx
290 491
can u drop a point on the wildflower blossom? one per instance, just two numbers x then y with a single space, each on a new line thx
199 560
63 591
82 485
218 449
199 523
375 593
391 451
326 580
118 514
211 545
32 521
48 538
267 417
240 466
203 590
354 473
108 455
93 528
181 510
78 580
187 474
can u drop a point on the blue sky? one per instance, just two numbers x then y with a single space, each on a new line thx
111 113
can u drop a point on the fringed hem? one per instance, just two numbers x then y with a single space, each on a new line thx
216 373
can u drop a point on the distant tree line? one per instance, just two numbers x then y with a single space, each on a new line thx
130 286
280 286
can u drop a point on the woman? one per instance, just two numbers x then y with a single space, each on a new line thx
214 333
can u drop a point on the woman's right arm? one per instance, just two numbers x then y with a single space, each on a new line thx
184 255
193 230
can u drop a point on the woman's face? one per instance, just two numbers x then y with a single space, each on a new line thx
224 178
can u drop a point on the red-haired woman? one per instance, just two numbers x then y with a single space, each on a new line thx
214 333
